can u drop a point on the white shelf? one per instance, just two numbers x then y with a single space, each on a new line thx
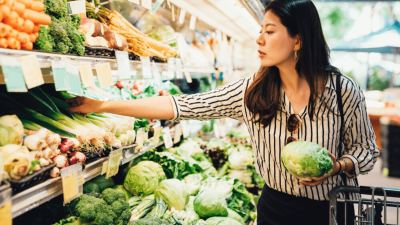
51 188
45 60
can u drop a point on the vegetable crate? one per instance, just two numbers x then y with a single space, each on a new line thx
376 206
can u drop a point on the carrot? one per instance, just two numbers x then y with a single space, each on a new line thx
19 8
37 6
23 37
36 28
9 2
27 3
27 46
13 33
5 9
20 24
33 37
28 26
13 43
36 17
1 15
4 30
3 43
12 19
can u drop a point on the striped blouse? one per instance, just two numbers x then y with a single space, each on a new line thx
267 142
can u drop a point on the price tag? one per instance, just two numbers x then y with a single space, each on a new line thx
171 68
188 77
124 70
60 76
146 67
185 129
71 178
5 207
179 73
156 5
178 133
167 137
140 137
104 75
86 72
146 4
104 167
114 161
192 23
32 72
77 7
156 71
13 74
74 79
157 135
182 16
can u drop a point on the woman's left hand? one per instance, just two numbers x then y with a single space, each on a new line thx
313 181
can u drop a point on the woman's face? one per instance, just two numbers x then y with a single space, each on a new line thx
275 45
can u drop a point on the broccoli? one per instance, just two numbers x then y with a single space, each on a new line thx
73 220
119 207
75 21
124 218
111 195
92 209
45 41
103 182
91 188
56 8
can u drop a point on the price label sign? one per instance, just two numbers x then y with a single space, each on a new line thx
157 135
104 167
124 70
13 74
60 76
32 72
167 137
178 133
77 7
71 178
75 83
5 207
185 129
146 4
146 67
104 75
179 73
86 72
140 137
114 161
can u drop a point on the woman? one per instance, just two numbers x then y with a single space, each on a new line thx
292 97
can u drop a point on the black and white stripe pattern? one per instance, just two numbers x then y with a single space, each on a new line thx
267 142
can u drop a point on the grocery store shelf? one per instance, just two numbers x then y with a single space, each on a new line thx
45 61
41 193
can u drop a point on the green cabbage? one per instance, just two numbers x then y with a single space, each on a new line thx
209 203
193 183
11 130
172 191
144 178
306 159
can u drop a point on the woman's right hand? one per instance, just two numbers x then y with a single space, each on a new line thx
85 105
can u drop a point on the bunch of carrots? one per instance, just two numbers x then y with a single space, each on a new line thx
20 21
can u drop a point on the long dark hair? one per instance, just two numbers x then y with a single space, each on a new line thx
301 18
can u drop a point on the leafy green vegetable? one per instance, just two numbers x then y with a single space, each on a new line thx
45 41
193 183
56 8
144 178
98 184
306 159
209 203
73 220
172 191
111 195
241 201
123 190
150 221
222 221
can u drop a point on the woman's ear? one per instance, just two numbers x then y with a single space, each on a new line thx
297 43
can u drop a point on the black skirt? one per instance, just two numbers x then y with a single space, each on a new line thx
277 208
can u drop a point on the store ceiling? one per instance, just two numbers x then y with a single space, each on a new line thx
227 16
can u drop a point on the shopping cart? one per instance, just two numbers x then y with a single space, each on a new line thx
373 208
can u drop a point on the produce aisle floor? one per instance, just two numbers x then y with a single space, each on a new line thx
377 179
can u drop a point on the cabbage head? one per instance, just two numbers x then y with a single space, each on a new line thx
143 179
209 203
306 159
173 192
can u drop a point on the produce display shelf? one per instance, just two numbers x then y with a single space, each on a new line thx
42 193
45 60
